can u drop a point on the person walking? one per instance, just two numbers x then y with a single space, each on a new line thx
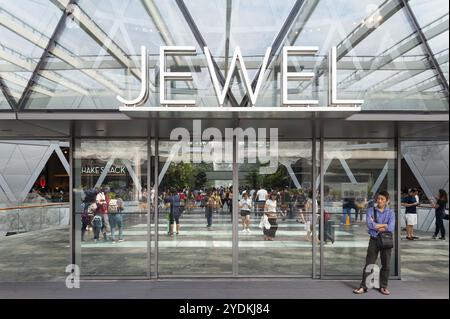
380 219
245 205
439 206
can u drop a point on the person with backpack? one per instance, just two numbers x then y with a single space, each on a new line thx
102 201
116 218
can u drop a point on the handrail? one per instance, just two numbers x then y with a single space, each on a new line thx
34 206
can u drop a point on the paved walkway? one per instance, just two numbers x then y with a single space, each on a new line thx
223 289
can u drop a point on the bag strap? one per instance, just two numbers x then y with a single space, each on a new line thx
375 214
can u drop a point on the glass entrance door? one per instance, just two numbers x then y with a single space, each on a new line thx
110 205
194 212
280 188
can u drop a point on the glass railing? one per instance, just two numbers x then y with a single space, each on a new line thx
27 218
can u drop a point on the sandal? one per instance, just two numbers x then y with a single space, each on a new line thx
360 291
384 291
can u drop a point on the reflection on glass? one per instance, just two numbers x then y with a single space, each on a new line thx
276 231
354 171
195 213
111 207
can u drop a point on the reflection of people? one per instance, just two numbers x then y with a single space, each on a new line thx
261 197
379 219
309 227
209 209
245 205
270 210
439 206
411 203
102 201
88 210
175 211
348 205
116 207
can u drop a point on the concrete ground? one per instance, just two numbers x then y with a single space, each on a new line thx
32 265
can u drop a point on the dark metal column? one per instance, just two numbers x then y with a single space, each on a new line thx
202 43
44 58
415 24
278 42
399 199
149 203
314 199
156 219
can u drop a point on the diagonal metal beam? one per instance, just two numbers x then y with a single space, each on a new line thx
25 31
37 171
164 31
403 76
42 60
4 185
202 43
397 50
277 43
227 35
99 36
386 10
426 47
7 94
17 59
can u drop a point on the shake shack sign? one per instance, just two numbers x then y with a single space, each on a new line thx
97 170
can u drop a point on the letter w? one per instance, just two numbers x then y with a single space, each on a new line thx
237 56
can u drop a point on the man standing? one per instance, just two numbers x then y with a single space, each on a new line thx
379 219
411 203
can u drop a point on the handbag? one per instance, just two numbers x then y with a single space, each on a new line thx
384 239
264 222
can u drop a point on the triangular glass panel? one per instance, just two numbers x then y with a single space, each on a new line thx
25 32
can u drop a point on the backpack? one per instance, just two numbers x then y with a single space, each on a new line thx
97 221
113 206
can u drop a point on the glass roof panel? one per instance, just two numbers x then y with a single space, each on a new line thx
380 58
426 11
127 23
41 15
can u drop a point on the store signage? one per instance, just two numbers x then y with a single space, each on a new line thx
97 170
221 92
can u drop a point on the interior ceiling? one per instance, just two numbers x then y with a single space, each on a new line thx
287 129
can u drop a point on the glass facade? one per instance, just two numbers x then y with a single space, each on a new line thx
68 150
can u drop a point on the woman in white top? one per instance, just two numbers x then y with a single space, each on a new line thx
307 219
270 210
245 205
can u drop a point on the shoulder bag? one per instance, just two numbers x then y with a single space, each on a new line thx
384 239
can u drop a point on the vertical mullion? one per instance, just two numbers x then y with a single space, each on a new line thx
314 199
149 229
399 207
156 203
322 179
235 237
